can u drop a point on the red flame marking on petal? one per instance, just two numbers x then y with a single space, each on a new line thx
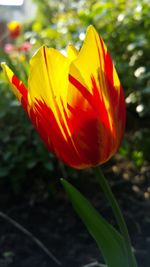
23 91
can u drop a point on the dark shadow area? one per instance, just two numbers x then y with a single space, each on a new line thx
53 221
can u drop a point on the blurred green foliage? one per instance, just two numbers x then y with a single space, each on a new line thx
125 28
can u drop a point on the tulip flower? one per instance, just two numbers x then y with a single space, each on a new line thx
14 28
25 47
76 102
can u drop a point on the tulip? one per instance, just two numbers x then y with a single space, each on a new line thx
14 28
76 103
25 47
9 48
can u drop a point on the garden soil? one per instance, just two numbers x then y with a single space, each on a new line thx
35 226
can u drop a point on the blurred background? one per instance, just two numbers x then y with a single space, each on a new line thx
29 173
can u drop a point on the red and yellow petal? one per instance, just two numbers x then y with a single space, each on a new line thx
75 103
48 88
47 126
17 86
48 77
95 89
48 81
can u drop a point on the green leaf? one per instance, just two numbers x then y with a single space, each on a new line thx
108 239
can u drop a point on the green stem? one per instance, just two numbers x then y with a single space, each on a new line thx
118 215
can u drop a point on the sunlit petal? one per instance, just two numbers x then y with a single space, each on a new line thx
17 86
76 103
48 77
72 52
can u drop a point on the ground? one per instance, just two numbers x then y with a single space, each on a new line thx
54 222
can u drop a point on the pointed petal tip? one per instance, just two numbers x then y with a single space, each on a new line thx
70 46
3 65
37 52
90 33
7 71
72 52
91 28
40 52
